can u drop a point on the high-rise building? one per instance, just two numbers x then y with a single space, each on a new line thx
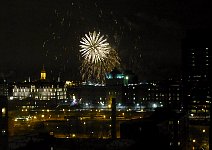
196 78
3 87
3 123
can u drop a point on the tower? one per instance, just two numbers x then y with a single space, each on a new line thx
43 74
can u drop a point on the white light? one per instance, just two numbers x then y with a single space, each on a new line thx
154 105
94 48
3 110
98 57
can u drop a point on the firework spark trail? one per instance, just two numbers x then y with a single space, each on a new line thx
60 48
94 49
98 58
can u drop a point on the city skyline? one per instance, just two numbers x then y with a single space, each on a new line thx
147 35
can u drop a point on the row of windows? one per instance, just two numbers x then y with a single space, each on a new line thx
38 90
41 97
28 94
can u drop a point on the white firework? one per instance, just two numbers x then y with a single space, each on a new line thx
98 58
94 48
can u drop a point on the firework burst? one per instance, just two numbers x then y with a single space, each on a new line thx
98 57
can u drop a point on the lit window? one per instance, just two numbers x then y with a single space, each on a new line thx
170 122
3 131
3 110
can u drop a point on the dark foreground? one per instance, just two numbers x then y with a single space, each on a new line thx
80 144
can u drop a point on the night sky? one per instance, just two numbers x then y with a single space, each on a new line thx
147 34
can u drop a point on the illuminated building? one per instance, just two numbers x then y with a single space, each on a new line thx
40 93
43 74
129 93
3 123
39 90
196 52
196 77
152 94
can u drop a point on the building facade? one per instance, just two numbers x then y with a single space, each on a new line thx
39 90
196 74
4 87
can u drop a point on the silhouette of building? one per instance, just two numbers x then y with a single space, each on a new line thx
3 123
115 82
196 74
4 87
164 129
196 52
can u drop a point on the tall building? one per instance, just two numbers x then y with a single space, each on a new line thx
3 123
115 82
196 67
3 87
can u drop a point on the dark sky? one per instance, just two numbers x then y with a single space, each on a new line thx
146 33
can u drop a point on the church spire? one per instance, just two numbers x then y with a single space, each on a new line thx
43 74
